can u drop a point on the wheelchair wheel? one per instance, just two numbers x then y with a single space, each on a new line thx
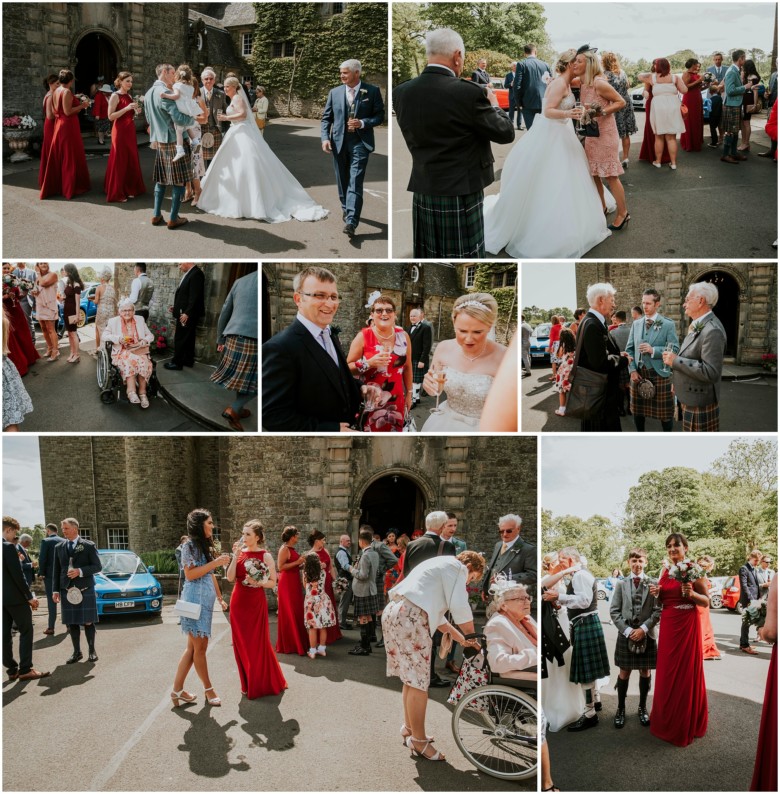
495 727
103 366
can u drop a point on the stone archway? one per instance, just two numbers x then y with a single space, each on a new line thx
96 54
729 307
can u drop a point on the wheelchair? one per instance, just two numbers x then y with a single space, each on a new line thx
495 726
110 381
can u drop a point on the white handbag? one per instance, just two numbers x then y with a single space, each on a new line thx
186 609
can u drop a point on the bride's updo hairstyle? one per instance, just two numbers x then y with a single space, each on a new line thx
479 305
564 60
232 81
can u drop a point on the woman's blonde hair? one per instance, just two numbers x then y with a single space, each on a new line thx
479 305
549 560
473 560
592 67
564 59
232 81
610 62
184 74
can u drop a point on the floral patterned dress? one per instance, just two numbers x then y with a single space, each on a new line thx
130 363
318 610
562 383
385 403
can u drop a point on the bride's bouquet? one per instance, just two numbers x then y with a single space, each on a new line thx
590 111
685 572
256 570
755 613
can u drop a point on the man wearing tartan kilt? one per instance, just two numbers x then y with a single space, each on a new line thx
76 562
421 334
364 593
589 659
162 114
448 125
635 614
733 94
697 368
216 102
648 338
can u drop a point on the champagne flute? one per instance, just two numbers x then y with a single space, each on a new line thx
386 346
670 348
440 376
578 120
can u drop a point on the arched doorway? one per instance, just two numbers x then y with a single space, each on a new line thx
96 56
727 307
393 502
267 332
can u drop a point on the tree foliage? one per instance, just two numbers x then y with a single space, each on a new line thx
597 538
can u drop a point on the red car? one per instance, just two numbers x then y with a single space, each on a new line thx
731 592
502 94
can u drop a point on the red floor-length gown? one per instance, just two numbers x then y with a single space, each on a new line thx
679 713
334 632
709 648
123 173
647 152
66 172
48 134
693 137
765 770
21 349
291 634
258 667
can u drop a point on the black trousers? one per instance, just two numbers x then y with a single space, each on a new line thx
21 615
184 342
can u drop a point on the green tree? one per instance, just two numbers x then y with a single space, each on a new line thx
408 42
88 273
751 461
597 538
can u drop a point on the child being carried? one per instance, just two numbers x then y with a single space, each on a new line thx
183 94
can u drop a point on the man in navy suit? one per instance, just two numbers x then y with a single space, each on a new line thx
188 307
749 590
530 84
352 111
46 571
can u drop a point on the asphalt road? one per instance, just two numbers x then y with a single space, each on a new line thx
672 212
334 729
88 226
748 405
632 759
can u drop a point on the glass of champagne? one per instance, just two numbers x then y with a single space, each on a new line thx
670 348
578 120
440 376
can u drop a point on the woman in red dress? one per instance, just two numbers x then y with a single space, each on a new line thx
21 348
317 542
765 769
50 83
380 355
647 152
679 713
66 172
123 174
290 630
709 648
258 667
693 137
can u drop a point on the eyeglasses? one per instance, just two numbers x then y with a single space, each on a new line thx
384 311
505 531
522 598
321 297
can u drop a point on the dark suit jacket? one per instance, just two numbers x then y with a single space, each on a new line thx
425 548
529 86
509 83
519 562
369 108
422 340
448 125
87 559
46 556
748 585
189 296
480 77
27 566
302 388
15 588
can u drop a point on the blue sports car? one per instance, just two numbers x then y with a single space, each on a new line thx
126 585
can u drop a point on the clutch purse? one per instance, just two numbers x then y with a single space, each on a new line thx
186 609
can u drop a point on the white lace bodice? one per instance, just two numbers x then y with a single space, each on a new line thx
239 103
567 103
466 392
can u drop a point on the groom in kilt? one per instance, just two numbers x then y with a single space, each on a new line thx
448 125
635 614
162 114
589 659
76 562
647 341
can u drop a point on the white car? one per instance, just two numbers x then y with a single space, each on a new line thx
637 97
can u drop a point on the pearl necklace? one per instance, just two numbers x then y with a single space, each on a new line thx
382 336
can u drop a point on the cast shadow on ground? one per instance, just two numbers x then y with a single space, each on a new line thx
208 744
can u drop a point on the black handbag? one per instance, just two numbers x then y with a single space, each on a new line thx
589 130
588 393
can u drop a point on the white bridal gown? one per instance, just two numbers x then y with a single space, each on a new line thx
461 411
548 206
247 180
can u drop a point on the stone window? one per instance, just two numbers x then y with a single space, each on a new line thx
246 44
282 49
506 279
468 276
117 538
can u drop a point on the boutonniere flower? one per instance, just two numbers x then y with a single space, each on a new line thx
696 328
363 92
657 324
335 330
80 547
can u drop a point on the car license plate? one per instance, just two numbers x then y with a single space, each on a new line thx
124 604
537 355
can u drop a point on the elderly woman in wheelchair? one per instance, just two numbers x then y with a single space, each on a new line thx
130 339
511 633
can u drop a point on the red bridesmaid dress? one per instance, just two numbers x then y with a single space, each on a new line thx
21 349
258 667
647 152
334 632
48 134
291 634
123 174
66 172
693 137
765 770
679 713
709 648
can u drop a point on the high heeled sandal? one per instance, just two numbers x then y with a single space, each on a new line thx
182 695
215 701
410 740
74 360
622 226
406 733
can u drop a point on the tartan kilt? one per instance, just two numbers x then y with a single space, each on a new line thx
418 375
79 614
237 370
168 172
589 658
701 418
732 116
661 406
448 227
366 605
626 660
210 151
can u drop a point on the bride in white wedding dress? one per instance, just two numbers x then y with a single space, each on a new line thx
469 362
246 179
548 206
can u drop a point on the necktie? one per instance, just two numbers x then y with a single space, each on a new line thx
70 547
350 95
648 324
504 547
637 580
328 345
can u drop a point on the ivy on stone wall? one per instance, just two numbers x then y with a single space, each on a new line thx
506 297
318 45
